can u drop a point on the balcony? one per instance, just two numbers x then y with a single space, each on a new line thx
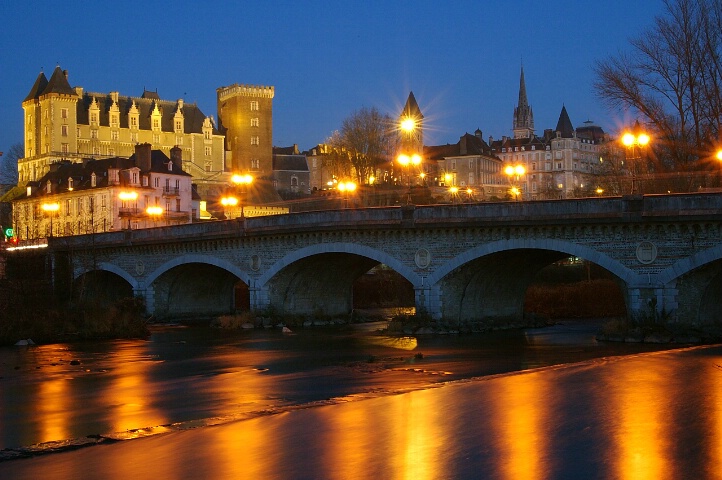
171 191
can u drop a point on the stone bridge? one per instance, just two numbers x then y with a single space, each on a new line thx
466 262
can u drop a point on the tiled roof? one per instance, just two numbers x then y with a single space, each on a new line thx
40 83
296 163
58 84
564 125
193 117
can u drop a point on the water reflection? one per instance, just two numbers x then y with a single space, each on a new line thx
650 416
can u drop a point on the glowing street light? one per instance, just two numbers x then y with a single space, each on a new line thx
635 140
126 197
454 193
51 209
154 212
719 157
409 161
514 172
346 188
227 203
242 181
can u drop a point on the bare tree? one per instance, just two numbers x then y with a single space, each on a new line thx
9 164
367 138
671 79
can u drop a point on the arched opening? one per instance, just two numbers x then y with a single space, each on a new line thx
100 288
491 291
574 288
334 284
197 291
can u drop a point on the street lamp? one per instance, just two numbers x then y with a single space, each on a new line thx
50 209
635 140
129 196
227 203
154 213
719 157
346 188
242 181
514 172
454 192
409 161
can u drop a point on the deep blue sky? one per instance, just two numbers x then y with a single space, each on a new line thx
328 59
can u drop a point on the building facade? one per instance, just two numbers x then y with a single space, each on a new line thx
562 163
63 123
101 195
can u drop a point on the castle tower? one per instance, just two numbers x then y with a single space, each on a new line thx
245 116
523 115
50 124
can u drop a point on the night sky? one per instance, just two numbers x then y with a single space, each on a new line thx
328 59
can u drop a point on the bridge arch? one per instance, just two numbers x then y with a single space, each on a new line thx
487 284
194 286
318 279
103 285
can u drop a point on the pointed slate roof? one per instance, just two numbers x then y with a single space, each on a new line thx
411 109
40 83
564 125
523 102
58 83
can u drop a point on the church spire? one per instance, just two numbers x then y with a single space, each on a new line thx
523 115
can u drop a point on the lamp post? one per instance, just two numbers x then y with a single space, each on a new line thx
129 196
242 181
227 203
409 161
346 188
453 192
514 172
635 141
719 157
50 209
154 213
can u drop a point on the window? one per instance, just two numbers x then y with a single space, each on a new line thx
64 130
170 166
255 164
70 183
559 165
177 205
68 206
114 135
453 164
135 178
178 125
64 148
94 134
254 122
208 151
471 163
133 122
93 179
207 135
94 118
156 182
134 137
254 140
254 105
63 113
208 167
156 138
156 123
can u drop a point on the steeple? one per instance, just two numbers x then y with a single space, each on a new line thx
411 124
564 125
523 125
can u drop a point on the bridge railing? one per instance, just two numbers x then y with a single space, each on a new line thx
637 207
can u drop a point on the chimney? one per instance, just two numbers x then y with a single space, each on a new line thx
142 156
65 72
176 156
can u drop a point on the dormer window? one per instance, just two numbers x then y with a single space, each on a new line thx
70 183
93 179
48 187
170 166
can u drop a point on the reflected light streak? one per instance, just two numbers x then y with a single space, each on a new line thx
52 415
638 401
521 421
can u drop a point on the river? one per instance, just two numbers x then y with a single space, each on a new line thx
348 403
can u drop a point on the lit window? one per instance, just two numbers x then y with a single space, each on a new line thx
254 105
208 151
254 140
254 122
